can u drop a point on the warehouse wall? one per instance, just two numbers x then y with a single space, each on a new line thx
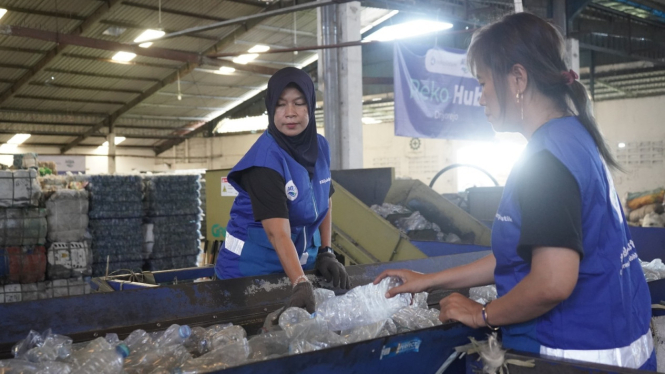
639 124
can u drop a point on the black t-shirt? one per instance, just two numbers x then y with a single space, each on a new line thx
551 207
266 187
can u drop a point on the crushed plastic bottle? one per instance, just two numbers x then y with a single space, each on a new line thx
18 366
195 341
483 294
105 362
292 316
409 319
229 335
362 305
420 300
268 345
52 347
20 349
321 295
375 330
313 335
94 347
175 334
136 339
149 360
217 359
653 270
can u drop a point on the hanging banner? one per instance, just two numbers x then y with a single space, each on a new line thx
436 96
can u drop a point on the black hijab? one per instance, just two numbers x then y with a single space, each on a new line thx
304 147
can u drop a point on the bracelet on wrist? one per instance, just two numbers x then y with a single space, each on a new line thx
325 249
485 319
300 279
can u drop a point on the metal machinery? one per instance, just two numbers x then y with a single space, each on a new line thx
359 234
247 301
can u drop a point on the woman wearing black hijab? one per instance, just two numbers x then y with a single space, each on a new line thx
281 219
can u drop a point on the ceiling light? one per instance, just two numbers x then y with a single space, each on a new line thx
3 11
8 148
18 139
408 30
622 145
145 45
259 48
114 31
226 70
149 34
243 59
123 56
370 121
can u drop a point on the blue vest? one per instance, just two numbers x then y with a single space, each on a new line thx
247 250
610 306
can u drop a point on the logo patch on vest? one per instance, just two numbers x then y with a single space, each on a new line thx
291 190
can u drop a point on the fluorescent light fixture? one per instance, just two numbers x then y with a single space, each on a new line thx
243 124
244 59
370 121
118 140
149 35
145 45
8 148
259 48
226 70
622 145
18 139
123 56
3 11
408 30
379 21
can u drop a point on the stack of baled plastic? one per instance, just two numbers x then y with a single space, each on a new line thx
22 228
203 208
173 217
115 218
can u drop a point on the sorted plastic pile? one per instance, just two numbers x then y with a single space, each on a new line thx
67 215
172 222
363 313
115 219
203 207
413 224
653 270
19 189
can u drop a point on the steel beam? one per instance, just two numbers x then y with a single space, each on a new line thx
38 12
84 145
51 111
95 135
23 50
86 25
174 11
253 17
123 126
181 72
129 25
287 31
106 76
70 100
85 88
226 98
188 107
621 53
132 63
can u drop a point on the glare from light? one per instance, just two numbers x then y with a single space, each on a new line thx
370 121
18 139
408 30
8 148
244 59
145 45
118 140
379 21
497 158
3 11
149 34
123 56
622 145
243 124
259 48
226 70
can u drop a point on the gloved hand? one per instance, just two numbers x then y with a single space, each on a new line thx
332 270
302 296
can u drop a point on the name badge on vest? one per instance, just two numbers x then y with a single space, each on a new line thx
303 258
291 190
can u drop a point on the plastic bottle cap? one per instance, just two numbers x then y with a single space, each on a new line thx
185 331
122 349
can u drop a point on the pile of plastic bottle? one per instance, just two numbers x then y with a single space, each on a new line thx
362 313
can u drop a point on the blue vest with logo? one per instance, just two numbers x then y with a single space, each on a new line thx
247 250
610 306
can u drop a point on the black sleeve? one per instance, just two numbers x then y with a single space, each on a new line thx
332 189
551 207
266 191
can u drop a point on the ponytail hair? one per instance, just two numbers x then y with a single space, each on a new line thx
526 39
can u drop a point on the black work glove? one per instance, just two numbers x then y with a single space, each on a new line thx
302 296
332 270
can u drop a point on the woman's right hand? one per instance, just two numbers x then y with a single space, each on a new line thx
414 282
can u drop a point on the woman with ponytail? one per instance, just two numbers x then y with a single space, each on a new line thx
568 278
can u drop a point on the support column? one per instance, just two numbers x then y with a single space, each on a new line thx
340 80
110 138
572 57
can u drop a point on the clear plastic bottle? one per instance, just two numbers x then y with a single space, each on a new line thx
105 362
94 347
321 295
136 339
362 305
293 316
217 359
227 336
175 334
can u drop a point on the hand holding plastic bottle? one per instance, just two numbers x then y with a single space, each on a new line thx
414 282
